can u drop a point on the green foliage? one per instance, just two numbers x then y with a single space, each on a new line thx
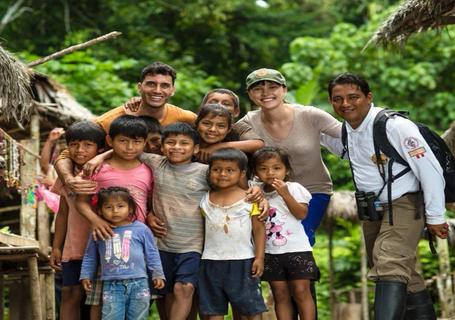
346 255
94 83
191 87
416 79
210 42
215 43
308 91
339 171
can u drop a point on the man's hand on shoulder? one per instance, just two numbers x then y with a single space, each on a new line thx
133 104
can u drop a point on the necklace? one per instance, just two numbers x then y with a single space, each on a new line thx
11 156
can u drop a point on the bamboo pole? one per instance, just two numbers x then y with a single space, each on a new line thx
76 47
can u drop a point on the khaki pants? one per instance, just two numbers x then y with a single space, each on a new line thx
391 249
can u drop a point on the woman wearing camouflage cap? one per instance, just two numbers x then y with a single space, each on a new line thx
296 129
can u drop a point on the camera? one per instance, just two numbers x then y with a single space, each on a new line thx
367 206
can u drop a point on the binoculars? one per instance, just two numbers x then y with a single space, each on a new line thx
368 208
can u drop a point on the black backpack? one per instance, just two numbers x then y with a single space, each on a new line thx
435 142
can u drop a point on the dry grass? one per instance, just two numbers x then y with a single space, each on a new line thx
414 16
15 97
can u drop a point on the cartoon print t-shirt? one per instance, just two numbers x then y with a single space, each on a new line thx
284 232
131 253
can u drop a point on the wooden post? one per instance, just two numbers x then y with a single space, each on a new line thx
331 267
2 292
50 296
42 287
444 281
364 279
28 181
35 292
43 227
19 299
28 203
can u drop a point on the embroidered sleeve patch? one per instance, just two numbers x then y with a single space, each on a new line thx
411 143
417 153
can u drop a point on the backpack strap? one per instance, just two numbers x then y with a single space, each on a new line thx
344 139
380 135
381 143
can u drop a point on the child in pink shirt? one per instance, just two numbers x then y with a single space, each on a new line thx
137 180
85 139
127 138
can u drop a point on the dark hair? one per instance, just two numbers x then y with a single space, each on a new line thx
349 78
153 125
222 91
158 67
180 128
267 153
86 130
129 126
105 193
230 154
214 109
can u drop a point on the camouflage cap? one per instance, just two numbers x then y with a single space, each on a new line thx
264 75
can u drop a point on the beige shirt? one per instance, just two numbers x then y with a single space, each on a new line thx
176 196
302 143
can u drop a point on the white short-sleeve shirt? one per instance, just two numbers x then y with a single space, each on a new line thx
284 232
228 230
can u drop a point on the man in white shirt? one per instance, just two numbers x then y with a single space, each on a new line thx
391 240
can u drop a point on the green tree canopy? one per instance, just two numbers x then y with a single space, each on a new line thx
419 78
211 43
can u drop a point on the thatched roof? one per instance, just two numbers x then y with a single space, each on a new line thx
342 205
414 16
55 104
23 91
15 98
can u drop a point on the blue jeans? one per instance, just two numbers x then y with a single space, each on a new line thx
316 209
126 299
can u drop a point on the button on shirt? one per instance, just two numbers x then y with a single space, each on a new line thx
405 137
